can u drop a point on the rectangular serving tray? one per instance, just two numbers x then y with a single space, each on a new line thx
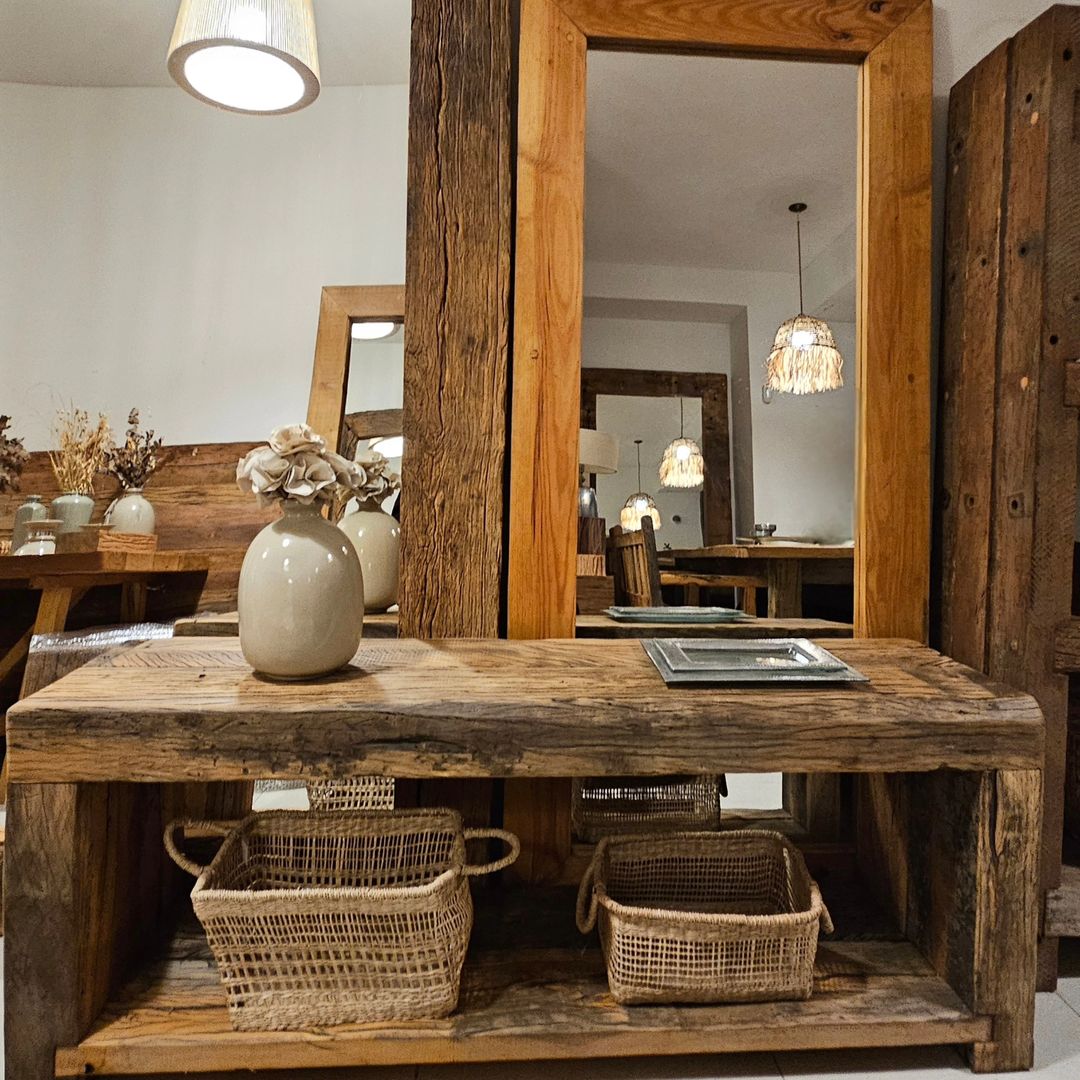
677 615
772 661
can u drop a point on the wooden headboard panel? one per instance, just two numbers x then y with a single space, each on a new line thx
197 503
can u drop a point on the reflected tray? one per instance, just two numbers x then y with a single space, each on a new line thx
707 661
677 615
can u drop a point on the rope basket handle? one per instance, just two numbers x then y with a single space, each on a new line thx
586 897
216 828
815 898
508 838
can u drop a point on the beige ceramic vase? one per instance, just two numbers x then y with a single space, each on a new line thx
376 536
131 513
301 596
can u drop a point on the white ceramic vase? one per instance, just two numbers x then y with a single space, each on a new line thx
301 596
73 510
376 536
131 513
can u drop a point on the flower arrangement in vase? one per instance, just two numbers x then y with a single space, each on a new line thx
132 464
13 458
301 596
82 447
374 533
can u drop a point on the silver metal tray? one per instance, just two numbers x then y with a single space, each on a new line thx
677 615
690 661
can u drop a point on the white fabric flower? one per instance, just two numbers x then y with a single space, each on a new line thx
261 473
296 438
308 477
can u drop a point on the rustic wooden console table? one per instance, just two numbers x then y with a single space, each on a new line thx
936 911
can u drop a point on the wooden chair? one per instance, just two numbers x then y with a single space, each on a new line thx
634 566
638 580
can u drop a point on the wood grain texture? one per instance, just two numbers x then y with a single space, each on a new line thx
191 709
548 283
527 1003
968 370
1063 905
603 626
712 390
339 307
457 331
892 531
839 30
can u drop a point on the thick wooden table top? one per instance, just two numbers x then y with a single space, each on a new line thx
763 551
603 626
383 624
20 570
191 709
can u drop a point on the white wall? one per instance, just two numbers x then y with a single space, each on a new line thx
157 252
803 449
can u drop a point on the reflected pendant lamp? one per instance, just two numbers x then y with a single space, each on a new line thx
247 56
683 464
639 504
804 357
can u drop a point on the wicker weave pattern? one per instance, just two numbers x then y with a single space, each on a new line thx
619 805
319 918
357 793
704 917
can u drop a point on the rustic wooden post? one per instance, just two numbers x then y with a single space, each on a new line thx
1008 433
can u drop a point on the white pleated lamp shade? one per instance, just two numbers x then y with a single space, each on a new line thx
247 56
635 508
598 452
683 465
804 358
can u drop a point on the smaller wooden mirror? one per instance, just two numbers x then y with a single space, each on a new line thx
331 412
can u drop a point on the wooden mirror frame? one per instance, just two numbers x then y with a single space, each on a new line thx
339 307
710 388
892 42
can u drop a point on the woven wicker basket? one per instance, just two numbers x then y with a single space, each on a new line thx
636 804
331 918
703 917
357 793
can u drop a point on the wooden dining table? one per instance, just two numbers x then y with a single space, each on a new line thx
784 566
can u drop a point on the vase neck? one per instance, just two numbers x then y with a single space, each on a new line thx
292 508
133 491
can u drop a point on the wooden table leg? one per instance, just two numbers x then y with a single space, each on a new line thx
964 869
133 596
785 588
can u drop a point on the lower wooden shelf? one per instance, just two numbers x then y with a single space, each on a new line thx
1063 903
522 999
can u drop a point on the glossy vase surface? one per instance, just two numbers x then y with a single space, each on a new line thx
301 596
72 510
376 535
131 513
40 538
31 510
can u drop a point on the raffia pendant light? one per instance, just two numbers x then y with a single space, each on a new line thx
247 56
639 504
804 357
683 464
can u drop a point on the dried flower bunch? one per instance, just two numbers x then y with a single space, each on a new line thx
134 462
81 452
296 465
13 458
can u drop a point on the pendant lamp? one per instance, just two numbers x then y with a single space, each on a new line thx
247 56
683 464
639 504
804 357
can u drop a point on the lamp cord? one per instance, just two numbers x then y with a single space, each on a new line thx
798 244
681 432
637 442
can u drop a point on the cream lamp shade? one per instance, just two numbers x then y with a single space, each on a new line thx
639 504
683 463
598 452
804 357
247 56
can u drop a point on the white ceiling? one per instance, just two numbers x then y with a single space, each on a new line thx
123 42
691 160
694 160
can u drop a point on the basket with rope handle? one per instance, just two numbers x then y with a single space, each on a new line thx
319 918
703 917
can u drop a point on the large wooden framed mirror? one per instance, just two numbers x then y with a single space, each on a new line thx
358 372
891 44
